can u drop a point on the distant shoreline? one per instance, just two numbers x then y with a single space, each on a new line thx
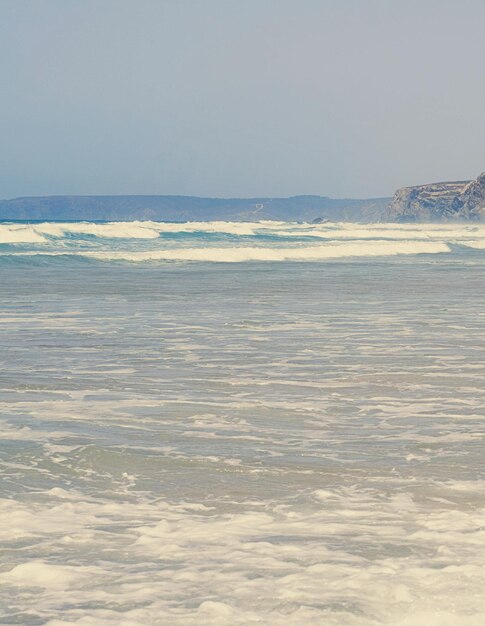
453 201
191 208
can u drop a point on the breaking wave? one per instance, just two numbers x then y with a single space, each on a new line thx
234 255
233 242
15 232
477 245
11 234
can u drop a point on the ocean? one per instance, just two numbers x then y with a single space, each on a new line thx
242 423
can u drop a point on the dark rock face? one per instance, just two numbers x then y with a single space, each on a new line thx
439 202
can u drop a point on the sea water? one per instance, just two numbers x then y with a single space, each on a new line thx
242 423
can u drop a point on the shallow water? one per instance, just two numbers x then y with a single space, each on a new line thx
268 442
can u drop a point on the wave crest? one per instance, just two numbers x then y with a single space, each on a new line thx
239 254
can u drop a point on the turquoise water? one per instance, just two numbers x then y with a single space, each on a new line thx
292 437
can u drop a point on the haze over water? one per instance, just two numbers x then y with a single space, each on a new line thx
232 423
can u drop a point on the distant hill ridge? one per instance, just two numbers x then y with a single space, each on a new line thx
434 202
191 208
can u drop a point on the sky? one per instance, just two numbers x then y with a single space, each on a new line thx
239 98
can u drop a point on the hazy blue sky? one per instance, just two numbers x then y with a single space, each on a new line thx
239 97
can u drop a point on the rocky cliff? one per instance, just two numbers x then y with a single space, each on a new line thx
439 202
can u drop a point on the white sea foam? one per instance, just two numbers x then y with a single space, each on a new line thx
37 573
238 254
37 233
19 234
362 240
189 564
332 231
378 232
229 228
34 233
477 244
116 230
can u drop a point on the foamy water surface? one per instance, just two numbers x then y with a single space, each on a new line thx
295 437
234 241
